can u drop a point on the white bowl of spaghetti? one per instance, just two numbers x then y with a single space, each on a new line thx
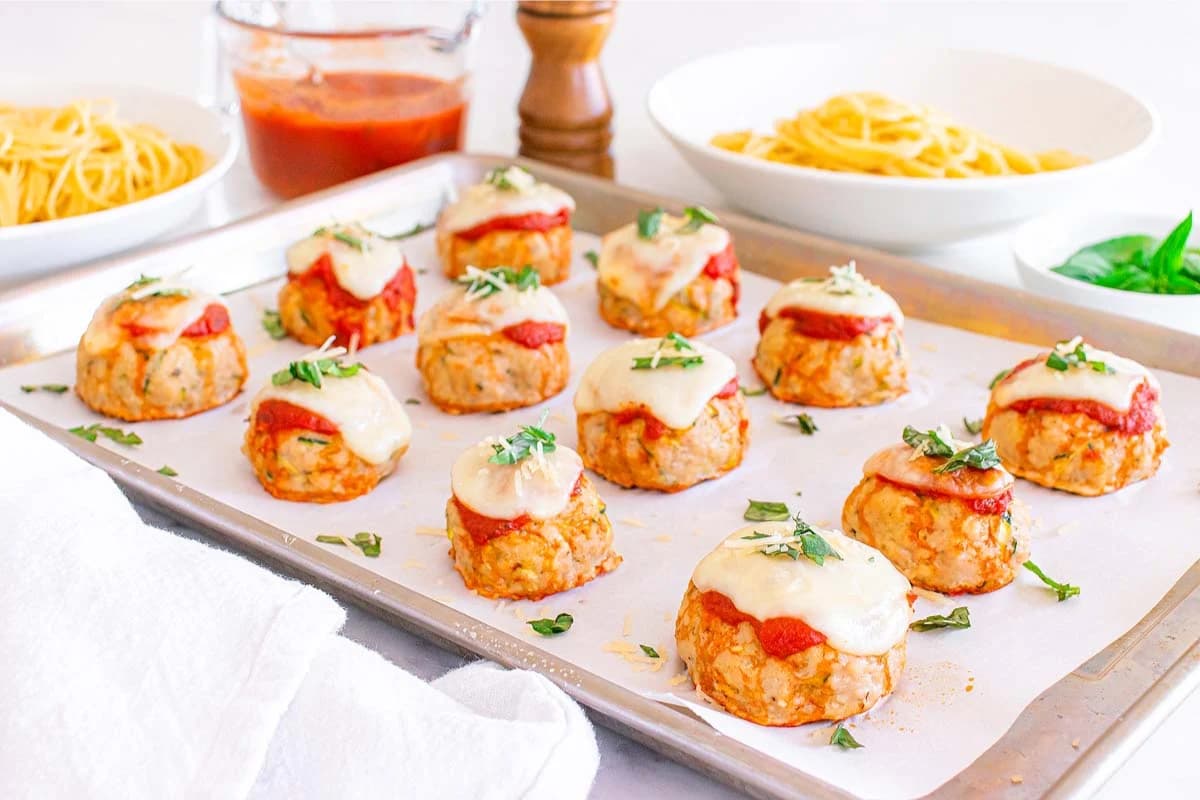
87 170
897 146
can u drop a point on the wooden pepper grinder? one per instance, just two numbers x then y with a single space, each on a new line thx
566 114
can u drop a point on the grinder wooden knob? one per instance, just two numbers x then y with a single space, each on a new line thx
565 110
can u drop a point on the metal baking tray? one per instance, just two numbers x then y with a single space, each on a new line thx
1106 707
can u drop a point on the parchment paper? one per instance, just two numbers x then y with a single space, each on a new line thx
961 690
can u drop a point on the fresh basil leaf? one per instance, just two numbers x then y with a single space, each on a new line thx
371 544
648 222
802 421
697 217
273 324
552 627
981 456
1063 590
524 443
766 511
842 738
1168 258
650 651
1055 361
166 470
958 618
929 443
593 258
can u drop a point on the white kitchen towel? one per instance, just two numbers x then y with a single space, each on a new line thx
137 664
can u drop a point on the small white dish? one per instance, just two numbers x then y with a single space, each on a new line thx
27 251
1024 103
1050 240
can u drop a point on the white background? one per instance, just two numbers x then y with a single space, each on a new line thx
1149 48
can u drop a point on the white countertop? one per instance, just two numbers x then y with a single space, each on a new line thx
1147 47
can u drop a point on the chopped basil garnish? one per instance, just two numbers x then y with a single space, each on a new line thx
650 651
1001 375
53 388
938 443
802 421
1063 590
313 440
842 738
752 392
483 283
1062 360
551 627
973 426
352 241
529 440
411 401
90 432
176 292
311 371
593 258
165 470
143 280
812 545
272 324
680 345
648 222
499 177
958 618
697 217
766 511
369 543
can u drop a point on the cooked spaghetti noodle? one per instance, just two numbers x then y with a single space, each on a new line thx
63 162
871 133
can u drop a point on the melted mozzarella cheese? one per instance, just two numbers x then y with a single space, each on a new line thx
859 602
484 202
1076 383
843 293
650 271
458 314
369 417
539 486
164 319
361 272
673 394
896 463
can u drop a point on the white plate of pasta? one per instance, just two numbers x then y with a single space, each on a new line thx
87 170
897 146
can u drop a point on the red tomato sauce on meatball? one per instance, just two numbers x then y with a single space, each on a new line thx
819 325
1139 418
520 222
280 415
214 320
400 288
980 504
779 636
655 427
724 265
534 334
484 528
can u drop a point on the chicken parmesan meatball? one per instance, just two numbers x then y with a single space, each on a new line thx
324 431
833 343
349 283
159 350
496 342
941 511
786 641
661 414
666 273
510 218
524 521
1078 419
